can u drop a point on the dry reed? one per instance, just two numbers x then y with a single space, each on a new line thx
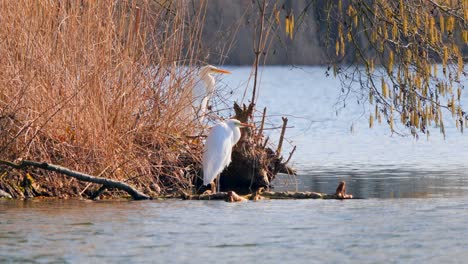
96 86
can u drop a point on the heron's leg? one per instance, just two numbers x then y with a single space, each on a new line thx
213 187
218 184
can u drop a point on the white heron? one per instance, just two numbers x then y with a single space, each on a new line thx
204 89
218 149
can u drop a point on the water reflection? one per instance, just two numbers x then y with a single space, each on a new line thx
380 183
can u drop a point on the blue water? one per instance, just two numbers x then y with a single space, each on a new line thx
314 231
415 208
329 135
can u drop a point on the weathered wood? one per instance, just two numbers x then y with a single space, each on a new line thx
283 130
206 196
243 113
224 196
262 124
4 194
290 155
98 193
293 195
234 197
341 191
108 183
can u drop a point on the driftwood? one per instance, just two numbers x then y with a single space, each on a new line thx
107 183
234 197
98 193
4 194
206 196
341 191
304 195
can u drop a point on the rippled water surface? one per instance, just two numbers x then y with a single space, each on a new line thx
414 211
364 231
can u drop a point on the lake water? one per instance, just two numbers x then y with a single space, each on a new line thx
415 209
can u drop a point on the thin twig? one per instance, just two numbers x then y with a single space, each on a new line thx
290 155
257 51
262 124
283 130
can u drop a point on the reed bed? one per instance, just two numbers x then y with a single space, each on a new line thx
97 86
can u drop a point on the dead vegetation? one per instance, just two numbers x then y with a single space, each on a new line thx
99 87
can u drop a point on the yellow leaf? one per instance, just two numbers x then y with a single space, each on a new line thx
384 89
442 23
390 61
342 45
337 48
291 26
405 26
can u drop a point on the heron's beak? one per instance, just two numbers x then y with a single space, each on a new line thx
221 71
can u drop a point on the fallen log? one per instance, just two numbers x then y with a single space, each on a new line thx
233 197
230 196
205 196
107 183
293 195
303 195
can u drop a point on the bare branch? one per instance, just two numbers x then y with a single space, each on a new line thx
108 183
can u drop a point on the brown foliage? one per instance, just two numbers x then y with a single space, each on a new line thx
97 86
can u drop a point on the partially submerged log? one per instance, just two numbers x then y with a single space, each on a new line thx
303 195
341 191
107 183
293 195
234 197
205 196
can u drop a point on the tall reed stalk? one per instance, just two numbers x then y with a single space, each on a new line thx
99 87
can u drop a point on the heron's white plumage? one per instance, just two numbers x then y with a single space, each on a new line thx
203 89
218 148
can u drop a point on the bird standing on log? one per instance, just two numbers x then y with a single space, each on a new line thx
218 149
204 89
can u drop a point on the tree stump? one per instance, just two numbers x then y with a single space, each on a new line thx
253 165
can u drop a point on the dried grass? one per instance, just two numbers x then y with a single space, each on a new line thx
96 86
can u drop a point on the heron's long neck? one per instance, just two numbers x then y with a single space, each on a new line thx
210 83
236 135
